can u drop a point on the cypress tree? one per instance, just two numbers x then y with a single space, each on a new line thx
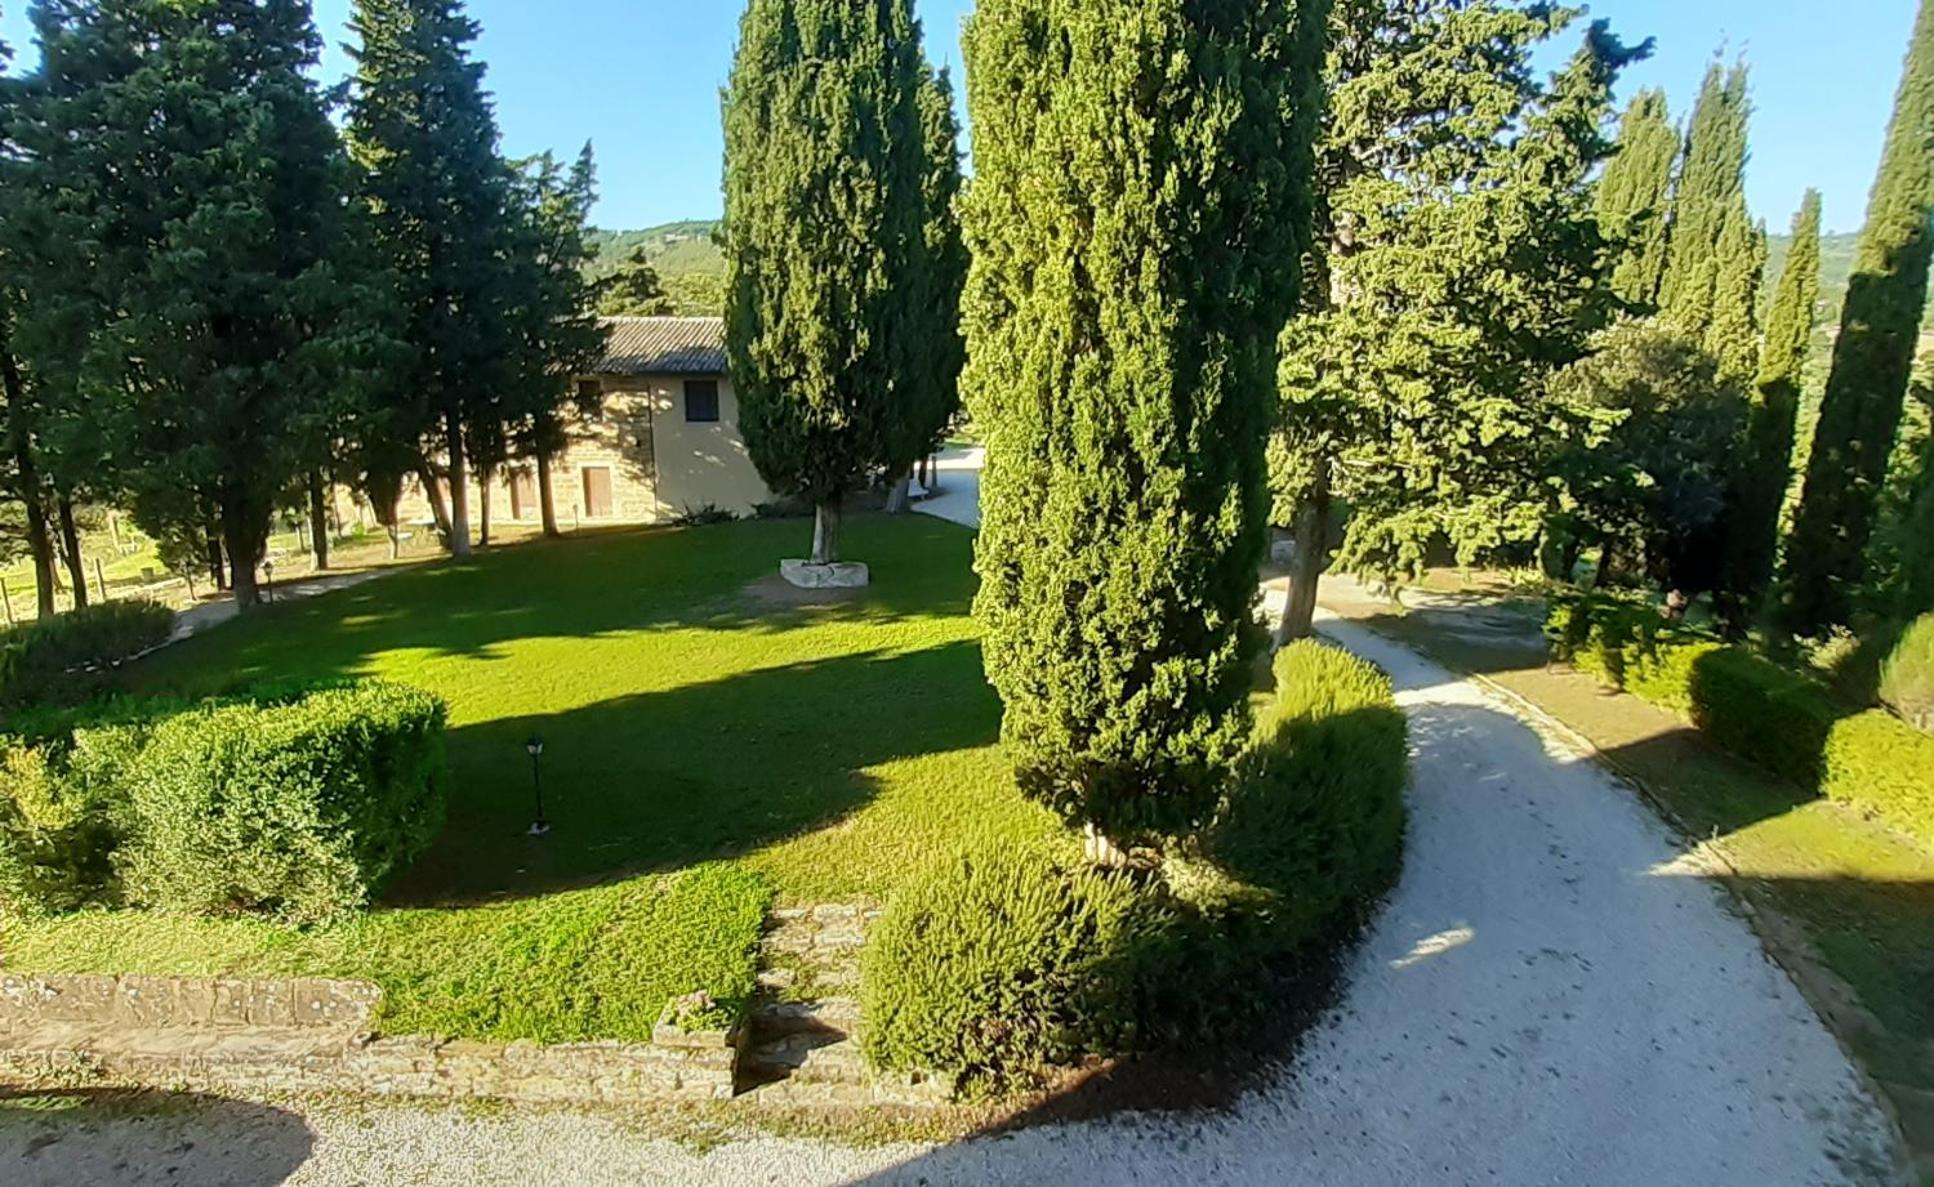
1766 468
1738 274
1873 360
422 128
1140 203
1709 193
824 240
1634 196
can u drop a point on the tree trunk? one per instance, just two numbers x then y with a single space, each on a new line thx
434 493
243 541
825 533
459 488
1312 558
70 543
484 475
546 504
318 522
217 559
1102 850
896 495
40 541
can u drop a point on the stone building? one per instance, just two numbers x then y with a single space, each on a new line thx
666 442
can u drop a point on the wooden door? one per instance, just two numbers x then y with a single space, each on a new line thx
597 492
523 496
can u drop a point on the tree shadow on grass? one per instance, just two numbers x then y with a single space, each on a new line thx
587 586
59 1137
703 771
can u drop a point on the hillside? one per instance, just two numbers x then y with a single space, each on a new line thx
687 258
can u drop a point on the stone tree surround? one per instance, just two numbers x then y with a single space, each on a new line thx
307 1035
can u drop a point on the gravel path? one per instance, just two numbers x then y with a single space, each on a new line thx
1550 997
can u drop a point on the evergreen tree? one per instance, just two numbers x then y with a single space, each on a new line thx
932 331
1142 188
30 533
1766 468
192 317
634 289
1634 196
1738 274
1709 191
824 172
422 128
1872 360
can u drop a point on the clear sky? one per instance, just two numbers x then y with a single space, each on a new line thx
640 79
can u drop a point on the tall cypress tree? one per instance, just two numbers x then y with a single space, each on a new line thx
1738 275
1709 192
422 128
1873 359
1141 197
1634 196
1766 467
824 240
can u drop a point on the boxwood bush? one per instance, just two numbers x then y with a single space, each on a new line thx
1780 720
999 964
298 806
70 657
1907 677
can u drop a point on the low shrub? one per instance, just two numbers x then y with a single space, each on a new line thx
300 810
1907 678
70 657
1780 720
57 838
998 963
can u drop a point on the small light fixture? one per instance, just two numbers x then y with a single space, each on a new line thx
268 570
535 748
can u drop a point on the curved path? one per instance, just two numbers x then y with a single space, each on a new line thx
1551 996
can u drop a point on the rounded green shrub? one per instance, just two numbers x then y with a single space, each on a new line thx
1907 678
999 963
70 657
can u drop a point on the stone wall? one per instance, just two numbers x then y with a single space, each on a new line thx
266 1036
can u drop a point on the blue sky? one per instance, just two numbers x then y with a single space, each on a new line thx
640 79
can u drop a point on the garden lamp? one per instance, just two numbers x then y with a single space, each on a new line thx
535 748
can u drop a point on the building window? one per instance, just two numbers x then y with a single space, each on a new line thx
523 495
597 492
590 391
701 401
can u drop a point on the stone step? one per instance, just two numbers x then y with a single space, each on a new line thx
837 1017
808 1059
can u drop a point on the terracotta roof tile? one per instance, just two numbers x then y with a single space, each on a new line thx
664 346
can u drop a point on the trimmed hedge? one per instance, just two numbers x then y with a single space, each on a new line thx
297 808
1775 718
998 964
1907 678
70 658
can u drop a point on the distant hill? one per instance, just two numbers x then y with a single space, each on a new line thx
686 255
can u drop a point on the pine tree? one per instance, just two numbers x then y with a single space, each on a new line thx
1142 187
1634 196
824 172
20 477
422 128
1872 360
1709 191
1766 467
634 288
192 318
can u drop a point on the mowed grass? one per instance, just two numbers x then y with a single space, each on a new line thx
712 741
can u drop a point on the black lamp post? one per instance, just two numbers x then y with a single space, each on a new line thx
535 747
268 568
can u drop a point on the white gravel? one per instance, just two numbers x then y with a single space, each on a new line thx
1549 998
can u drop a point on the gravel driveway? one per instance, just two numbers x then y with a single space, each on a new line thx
1550 997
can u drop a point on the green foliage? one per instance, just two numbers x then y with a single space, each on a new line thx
1652 475
1872 361
825 167
1634 196
1782 721
1315 815
1765 470
1457 271
633 289
193 310
1907 677
1138 205
1708 194
58 824
70 657
300 810
999 964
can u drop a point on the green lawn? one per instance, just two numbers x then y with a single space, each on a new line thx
710 743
